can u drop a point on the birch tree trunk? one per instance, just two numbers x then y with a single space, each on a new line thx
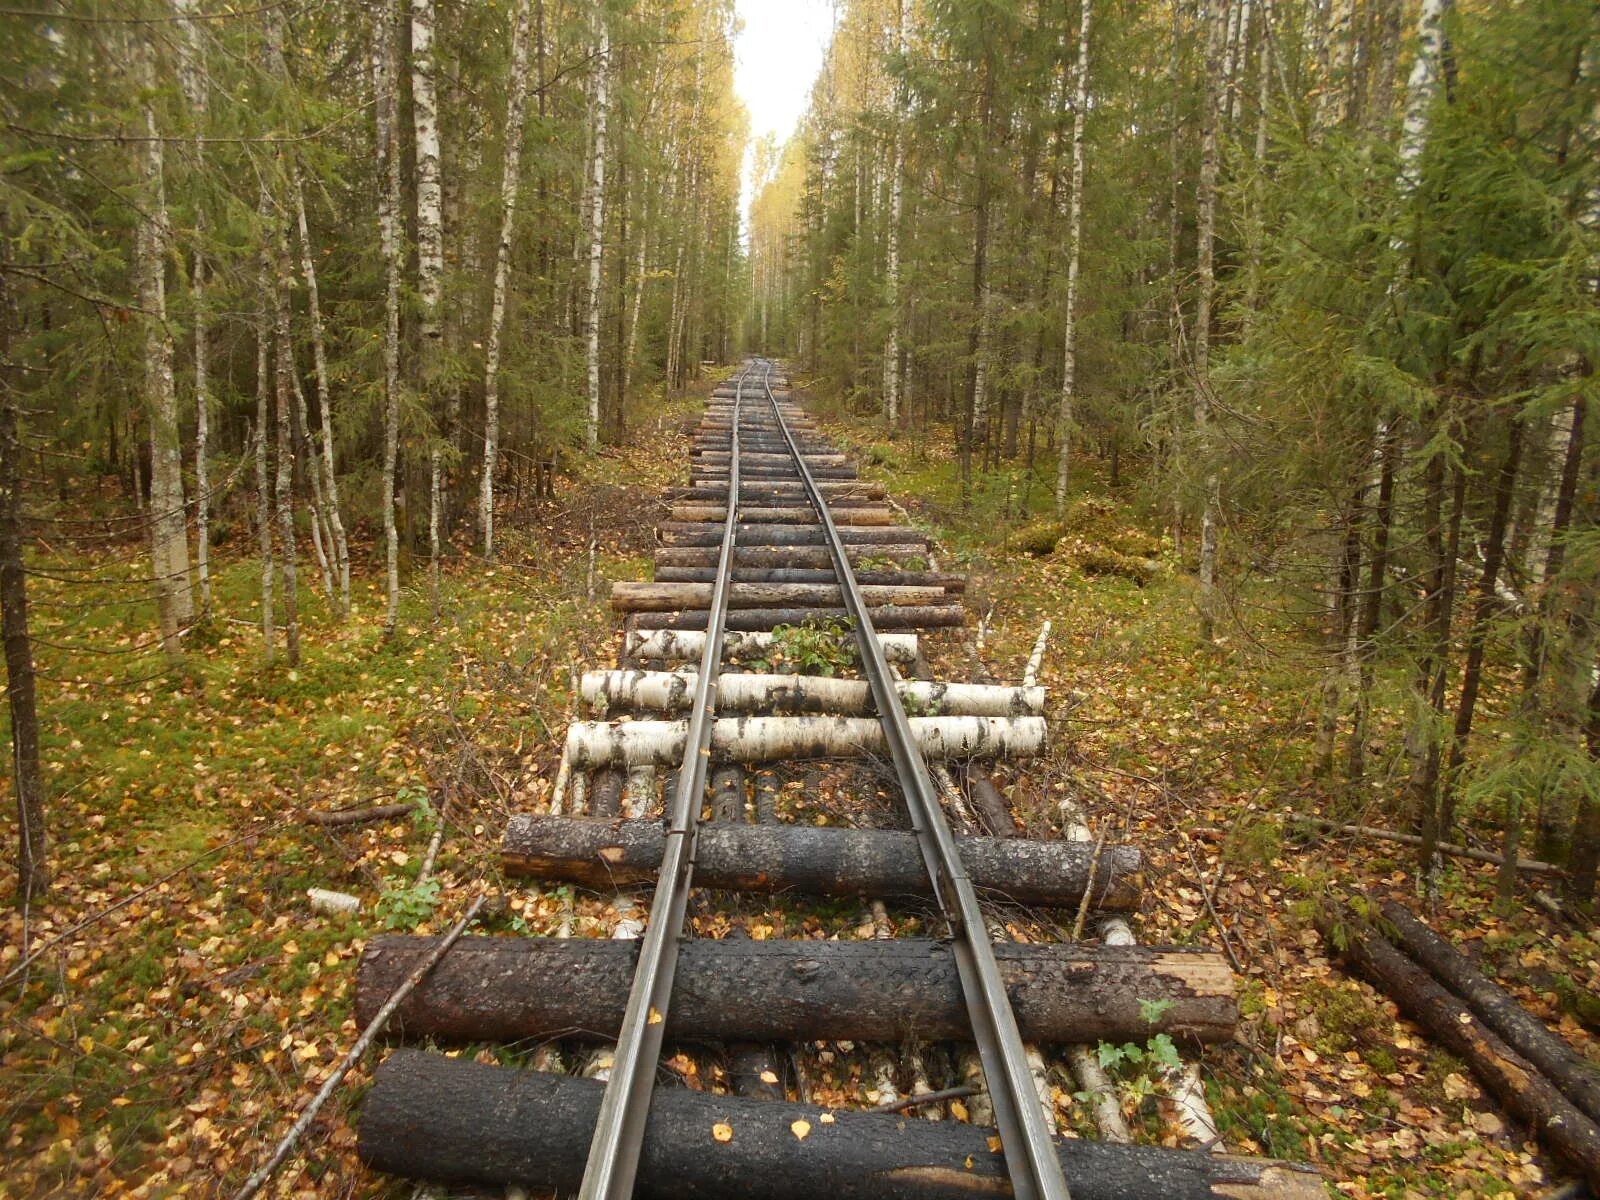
1206 219
264 286
323 465
891 282
516 111
385 71
430 261
1421 90
169 538
191 73
1069 353
283 480
597 222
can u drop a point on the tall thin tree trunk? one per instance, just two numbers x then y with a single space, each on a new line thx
510 180
978 335
283 482
1478 633
597 223
169 535
33 863
1206 218
323 466
1069 354
385 69
191 72
1372 600
891 281
430 266
264 286
1433 675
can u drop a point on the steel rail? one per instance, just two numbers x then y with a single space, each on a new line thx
1026 1140
613 1161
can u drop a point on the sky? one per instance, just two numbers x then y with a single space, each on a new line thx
776 59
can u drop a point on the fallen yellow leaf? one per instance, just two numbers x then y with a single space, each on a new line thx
722 1131
655 1016
769 1077
801 1129
958 1110
826 1118
994 1145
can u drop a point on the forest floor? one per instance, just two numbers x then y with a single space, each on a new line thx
175 1002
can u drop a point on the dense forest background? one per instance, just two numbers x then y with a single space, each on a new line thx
345 349
1317 280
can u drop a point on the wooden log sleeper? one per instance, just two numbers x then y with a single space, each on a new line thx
872 863
889 616
593 744
693 533
640 596
669 645
938 579
798 557
457 1121
739 692
795 990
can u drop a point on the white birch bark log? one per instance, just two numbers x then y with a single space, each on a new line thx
738 692
430 259
597 221
592 744
510 180
1069 353
385 72
169 536
674 645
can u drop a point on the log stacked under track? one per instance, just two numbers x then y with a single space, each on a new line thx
434 1117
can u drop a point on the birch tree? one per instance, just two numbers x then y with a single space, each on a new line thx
169 536
891 280
1069 354
597 210
430 265
191 76
510 180
1205 290
386 73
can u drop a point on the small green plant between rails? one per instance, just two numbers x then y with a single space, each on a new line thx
1137 1066
810 648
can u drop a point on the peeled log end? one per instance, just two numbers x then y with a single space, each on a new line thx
457 1121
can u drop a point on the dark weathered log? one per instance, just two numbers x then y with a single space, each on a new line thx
708 574
359 816
834 490
512 988
1447 1019
457 1121
788 515
605 792
991 805
727 795
888 617
635 596
863 557
696 533
1525 1033
876 863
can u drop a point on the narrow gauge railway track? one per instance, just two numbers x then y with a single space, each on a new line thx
774 532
